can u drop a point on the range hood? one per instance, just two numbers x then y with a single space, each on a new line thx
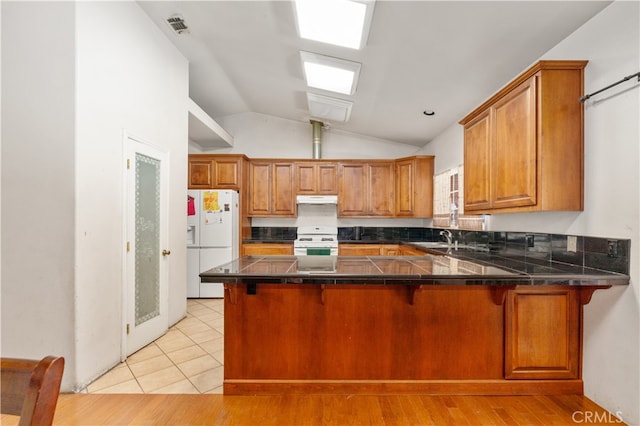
317 199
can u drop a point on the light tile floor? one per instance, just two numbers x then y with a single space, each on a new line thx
187 359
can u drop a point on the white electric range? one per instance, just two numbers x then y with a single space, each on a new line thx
316 240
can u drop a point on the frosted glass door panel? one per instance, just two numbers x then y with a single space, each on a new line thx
147 239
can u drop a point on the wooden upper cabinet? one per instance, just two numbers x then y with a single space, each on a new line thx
227 173
366 188
477 154
316 178
381 189
513 154
200 173
414 186
222 171
283 197
523 148
259 189
352 189
271 189
542 333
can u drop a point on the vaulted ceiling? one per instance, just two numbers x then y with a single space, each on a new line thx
445 56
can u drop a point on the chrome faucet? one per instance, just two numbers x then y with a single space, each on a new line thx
447 234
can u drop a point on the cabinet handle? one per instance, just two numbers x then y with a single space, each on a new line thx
166 252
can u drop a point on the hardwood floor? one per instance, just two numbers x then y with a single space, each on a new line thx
164 409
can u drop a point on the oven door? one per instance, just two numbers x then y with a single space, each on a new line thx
315 251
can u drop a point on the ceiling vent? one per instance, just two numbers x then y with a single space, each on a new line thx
332 109
177 24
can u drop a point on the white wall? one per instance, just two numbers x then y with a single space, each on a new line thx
76 76
37 231
132 79
611 43
265 136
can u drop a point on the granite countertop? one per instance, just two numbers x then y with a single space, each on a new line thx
438 266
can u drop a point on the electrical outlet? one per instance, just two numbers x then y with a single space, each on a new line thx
530 241
572 243
612 248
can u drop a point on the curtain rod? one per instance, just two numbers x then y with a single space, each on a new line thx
585 97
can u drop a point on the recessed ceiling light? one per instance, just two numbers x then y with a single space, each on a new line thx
327 73
341 22
329 108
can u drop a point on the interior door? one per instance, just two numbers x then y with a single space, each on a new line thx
146 266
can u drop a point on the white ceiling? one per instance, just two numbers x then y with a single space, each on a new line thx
445 56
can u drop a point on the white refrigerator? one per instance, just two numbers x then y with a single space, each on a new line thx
212 237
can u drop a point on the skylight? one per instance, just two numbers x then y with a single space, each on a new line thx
332 74
339 22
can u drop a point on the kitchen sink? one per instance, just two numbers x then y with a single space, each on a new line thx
434 244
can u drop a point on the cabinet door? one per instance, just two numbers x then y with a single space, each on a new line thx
316 178
381 189
542 333
259 189
200 174
390 250
410 251
359 249
305 177
477 154
352 194
514 152
327 179
404 187
267 249
282 195
227 173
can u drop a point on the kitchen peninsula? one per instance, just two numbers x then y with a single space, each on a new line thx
464 322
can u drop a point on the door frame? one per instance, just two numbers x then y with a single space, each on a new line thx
127 149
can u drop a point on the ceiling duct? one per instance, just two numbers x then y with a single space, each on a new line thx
177 24
316 135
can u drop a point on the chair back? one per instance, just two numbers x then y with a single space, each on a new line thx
30 388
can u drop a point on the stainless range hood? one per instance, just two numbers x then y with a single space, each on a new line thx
317 199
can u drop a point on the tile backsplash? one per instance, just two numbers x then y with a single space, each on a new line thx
609 254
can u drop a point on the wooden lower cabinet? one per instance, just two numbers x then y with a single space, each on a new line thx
364 249
267 249
405 250
358 249
542 335
402 338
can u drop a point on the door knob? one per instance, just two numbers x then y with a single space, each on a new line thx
166 252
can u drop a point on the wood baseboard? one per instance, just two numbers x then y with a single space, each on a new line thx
404 387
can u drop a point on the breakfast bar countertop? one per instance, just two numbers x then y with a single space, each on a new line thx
436 267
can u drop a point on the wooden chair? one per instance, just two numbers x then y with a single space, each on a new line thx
30 388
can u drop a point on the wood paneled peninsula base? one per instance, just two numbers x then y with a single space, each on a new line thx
388 335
